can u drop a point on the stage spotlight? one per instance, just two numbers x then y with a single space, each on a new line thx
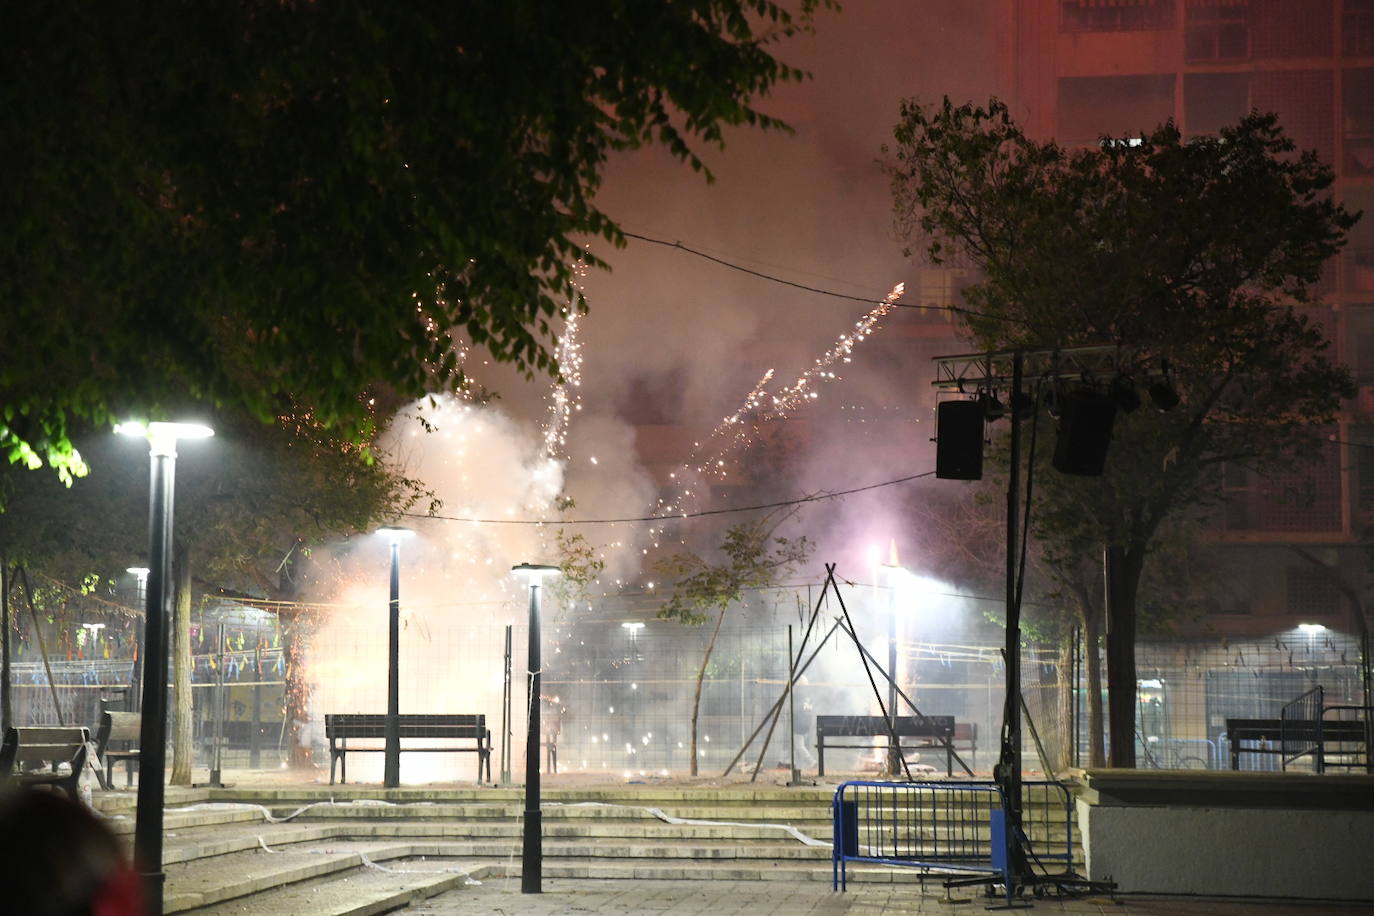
1053 400
993 409
1163 395
1124 394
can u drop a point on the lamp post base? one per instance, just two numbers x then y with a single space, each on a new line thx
531 863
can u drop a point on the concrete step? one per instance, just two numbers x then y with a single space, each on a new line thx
346 885
204 815
202 882
368 891
358 892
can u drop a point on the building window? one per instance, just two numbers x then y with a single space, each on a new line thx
1291 28
1212 101
1311 592
1358 255
1357 28
1093 107
1306 498
1305 101
1357 121
1362 449
1115 15
1359 336
941 289
1216 30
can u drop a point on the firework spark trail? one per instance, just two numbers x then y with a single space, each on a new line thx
743 426
800 390
566 397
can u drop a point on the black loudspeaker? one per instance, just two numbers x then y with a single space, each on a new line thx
959 440
1085 431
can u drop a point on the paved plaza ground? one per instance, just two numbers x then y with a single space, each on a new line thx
768 898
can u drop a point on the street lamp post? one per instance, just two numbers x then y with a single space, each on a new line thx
532 852
894 757
391 768
152 750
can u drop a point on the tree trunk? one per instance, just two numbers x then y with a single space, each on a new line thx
183 749
1064 696
297 691
1092 670
1121 571
696 697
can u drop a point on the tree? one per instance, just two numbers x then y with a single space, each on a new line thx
248 501
752 557
1191 257
260 204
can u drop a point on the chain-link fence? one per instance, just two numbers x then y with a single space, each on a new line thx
628 694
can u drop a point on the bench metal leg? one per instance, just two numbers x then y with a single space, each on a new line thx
820 758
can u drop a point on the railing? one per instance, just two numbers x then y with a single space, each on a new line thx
1300 729
957 827
1346 733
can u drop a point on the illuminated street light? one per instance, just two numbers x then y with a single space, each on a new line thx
634 627
391 768
152 750
532 853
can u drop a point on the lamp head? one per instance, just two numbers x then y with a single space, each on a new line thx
394 534
162 436
535 573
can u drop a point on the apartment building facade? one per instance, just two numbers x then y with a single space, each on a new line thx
1076 70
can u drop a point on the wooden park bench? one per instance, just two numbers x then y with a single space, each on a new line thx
116 741
929 732
54 745
339 727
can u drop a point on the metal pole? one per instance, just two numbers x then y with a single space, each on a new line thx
505 714
532 856
391 771
217 757
1366 683
1009 765
1073 698
792 709
254 736
894 750
152 751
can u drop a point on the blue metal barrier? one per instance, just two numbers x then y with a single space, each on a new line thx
956 827
929 825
